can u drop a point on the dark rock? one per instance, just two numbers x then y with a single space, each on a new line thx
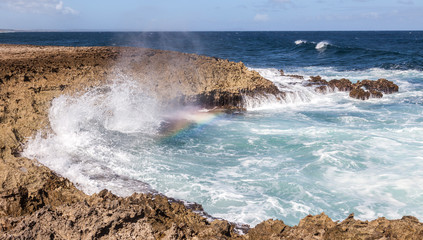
360 93
360 90
317 80
368 88
342 84
381 85
321 89
375 94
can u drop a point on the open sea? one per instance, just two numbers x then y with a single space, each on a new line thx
309 154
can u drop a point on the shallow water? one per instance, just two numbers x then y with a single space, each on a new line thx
311 154
307 154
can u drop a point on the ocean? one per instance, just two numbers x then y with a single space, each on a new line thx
308 154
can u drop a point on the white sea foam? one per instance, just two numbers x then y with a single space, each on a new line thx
402 77
81 143
283 159
299 42
296 93
321 46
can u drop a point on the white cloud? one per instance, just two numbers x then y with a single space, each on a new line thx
65 10
261 17
37 6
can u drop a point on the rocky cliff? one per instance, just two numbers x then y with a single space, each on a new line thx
37 203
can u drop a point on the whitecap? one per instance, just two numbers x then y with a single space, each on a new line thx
321 46
299 42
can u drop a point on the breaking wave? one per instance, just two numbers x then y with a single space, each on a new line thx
299 42
284 158
322 45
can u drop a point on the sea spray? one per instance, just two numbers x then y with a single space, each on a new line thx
303 154
94 138
85 134
296 92
281 159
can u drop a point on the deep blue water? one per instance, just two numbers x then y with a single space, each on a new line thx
285 159
346 50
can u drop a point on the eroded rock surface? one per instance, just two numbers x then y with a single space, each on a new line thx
360 90
368 88
322 227
35 203
106 216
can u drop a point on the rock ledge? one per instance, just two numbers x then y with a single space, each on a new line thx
35 203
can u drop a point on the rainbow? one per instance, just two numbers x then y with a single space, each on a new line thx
181 120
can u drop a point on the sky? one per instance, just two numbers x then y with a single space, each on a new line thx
216 15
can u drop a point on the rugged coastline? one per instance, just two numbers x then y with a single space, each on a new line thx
36 203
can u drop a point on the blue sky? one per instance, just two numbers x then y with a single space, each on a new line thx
217 15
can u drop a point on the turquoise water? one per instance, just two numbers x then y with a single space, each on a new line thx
307 154
312 153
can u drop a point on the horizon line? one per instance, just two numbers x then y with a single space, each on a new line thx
120 30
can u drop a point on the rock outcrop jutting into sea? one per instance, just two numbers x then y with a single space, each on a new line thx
36 203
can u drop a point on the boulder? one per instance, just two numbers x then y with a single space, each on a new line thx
342 84
381 85
360 93
360 90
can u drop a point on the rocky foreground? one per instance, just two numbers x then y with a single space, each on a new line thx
35 203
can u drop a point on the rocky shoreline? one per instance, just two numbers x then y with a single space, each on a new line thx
37 203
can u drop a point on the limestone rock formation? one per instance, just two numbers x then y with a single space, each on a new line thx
381 85
342 84
360 90
35 203
106 216
322 227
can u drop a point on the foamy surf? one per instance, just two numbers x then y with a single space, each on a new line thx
297 93
321 46
284 158
299 42
85 131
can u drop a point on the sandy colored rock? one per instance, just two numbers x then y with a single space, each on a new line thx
322 227
35 203
106 216
31 76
